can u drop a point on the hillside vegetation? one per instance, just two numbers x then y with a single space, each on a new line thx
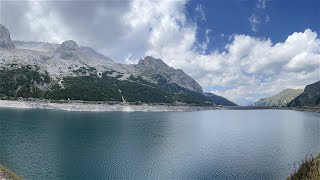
6 174
309 98
309 169
280 99
28 81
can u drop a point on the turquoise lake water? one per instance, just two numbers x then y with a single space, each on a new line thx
221 144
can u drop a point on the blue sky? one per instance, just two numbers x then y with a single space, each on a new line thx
229 17
240 49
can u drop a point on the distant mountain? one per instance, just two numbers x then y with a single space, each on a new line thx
280 99
310 97
220 100
36 46
51 47
69 71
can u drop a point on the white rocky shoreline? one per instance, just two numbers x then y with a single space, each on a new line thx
100 107
78 106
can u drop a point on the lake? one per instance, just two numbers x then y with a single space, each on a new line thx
218 144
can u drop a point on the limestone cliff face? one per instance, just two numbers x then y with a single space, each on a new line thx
5 39
69 50
150 66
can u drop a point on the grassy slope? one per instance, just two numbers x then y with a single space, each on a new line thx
280 99
8 174
309 170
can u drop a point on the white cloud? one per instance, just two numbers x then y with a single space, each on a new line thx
304 62
254 22
267 19
204 45
261 4
259 16
46 24
255 68
199 10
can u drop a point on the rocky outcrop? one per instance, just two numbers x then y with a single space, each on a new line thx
150 66
280 99
5 40
310 97
68 50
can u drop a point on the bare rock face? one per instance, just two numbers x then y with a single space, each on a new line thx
5 40
70 45
151 66
92 53
156 64
310 97
49 47
68 50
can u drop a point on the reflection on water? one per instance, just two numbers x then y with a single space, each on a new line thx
258 144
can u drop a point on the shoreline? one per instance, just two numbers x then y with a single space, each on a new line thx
82 106
6 173
308 169
101 107
315 109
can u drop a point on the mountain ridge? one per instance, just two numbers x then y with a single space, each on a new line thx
70 71
310 96
281 99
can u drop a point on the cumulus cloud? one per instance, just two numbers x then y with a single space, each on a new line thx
253 68
248 69
41 19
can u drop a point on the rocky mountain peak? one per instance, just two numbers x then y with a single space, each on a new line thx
152 63
68 50
151 66
69 45
5 40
